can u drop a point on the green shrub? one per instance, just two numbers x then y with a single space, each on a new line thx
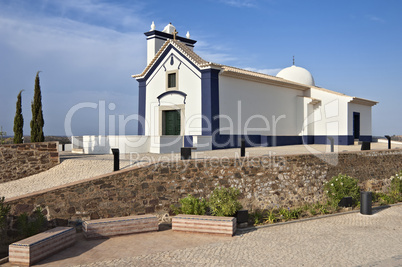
396 183
342 186
257 216
4 211
223 201
31 225
312 211
271 217
384 199
285 214
191 205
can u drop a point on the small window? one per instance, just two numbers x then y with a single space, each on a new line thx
171 80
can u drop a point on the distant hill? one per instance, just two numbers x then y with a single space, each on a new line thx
397 138
61 139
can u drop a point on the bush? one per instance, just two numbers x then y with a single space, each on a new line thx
223 201
396 183
4 211
191 205
257 216
31 225
342 186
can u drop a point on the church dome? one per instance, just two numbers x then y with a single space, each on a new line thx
169 28
297 74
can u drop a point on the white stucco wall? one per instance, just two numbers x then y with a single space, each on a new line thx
305 116
153 46
165 144
99 144
365 118
331 114
189 82
262 109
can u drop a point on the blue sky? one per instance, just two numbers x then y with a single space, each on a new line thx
88 50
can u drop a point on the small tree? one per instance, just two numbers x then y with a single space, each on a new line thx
18 121
223 201
2 134
37 121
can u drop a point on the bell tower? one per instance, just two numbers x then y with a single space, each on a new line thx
155 39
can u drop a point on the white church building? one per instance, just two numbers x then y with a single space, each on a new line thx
185 100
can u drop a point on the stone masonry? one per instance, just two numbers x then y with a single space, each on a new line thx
264 182
22 160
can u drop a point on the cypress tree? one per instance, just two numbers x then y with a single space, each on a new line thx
37 121
18 121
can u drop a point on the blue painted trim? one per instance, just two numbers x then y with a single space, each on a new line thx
210 101
178 67
366 138
162 58
351 140
142 91
165 39
165 36
341 140
308 139
224 141
172 92
188 141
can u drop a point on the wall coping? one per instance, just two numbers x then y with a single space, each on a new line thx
30 143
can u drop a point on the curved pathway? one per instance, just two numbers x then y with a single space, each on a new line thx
72 168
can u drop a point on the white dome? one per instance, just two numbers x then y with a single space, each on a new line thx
297 74
169 28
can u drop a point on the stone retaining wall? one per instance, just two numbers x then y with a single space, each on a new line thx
263 181
22 160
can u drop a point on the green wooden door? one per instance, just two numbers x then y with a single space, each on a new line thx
172 122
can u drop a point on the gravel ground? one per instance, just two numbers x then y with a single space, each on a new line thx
75 167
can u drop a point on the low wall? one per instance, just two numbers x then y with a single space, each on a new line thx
263 181
22 160
66 147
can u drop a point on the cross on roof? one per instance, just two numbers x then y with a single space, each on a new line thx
174 34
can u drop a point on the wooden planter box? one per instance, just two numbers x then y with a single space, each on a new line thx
119 226
35 248
204 224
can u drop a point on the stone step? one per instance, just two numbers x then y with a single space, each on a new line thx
120 226
36 248
204 224
77 150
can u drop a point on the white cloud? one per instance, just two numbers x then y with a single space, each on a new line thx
240 3
375 18
214 53
74 55
272 72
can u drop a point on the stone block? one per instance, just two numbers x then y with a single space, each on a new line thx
204 224
119 226
35 248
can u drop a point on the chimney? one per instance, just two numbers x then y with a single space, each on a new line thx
155 39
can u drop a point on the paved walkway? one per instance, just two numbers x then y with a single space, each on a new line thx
344 240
